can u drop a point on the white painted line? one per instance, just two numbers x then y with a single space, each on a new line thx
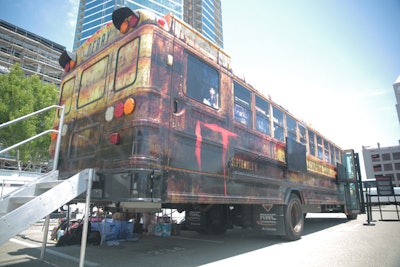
55 253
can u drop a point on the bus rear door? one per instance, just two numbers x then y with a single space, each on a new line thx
349 177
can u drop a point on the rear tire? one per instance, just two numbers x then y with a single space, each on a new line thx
351 217
294 218
216 222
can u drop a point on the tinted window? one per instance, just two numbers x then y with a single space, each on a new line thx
291 127
202 82
302 134
262 116
242 104
311 139
278 124
320 144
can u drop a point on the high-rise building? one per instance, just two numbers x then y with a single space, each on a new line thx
206 17
203 15
35 54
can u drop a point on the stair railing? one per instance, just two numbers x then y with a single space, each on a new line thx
59 131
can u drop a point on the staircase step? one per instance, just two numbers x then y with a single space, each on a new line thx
21 199
47 185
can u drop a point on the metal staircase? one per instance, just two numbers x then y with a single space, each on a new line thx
36 200
32 202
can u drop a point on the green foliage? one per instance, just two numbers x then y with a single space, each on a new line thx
22 95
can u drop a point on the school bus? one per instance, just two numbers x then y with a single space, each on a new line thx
156 110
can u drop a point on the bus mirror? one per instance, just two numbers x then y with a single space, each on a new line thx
121 21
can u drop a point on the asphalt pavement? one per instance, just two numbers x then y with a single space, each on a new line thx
328 240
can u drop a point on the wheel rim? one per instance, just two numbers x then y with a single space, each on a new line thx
296 218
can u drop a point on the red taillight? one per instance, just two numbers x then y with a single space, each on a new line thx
119 110
115 138
134 19
161 22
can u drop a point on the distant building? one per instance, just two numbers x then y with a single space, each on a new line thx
35 54
203 15
206 17
382 161
396 87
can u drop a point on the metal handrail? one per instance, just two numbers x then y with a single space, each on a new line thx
61 123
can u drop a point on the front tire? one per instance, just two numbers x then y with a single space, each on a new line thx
294 218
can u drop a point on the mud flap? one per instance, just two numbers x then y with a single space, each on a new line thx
269 219
195 219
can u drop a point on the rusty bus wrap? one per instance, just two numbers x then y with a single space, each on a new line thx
136 110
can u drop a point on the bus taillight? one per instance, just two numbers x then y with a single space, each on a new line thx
115 138
120 109
67 60
124 19
129 106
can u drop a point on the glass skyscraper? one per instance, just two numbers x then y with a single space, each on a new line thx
204 15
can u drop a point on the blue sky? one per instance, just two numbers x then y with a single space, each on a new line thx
331 63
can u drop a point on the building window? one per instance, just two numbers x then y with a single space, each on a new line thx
386 157
377 167
388 167
375 157
396 155
397 166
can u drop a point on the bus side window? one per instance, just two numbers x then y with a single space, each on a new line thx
291 127
66 95
262 116
326 151
202 82
311 141
278 124
242 104
302 134
331 149
126 69
337 155
320 147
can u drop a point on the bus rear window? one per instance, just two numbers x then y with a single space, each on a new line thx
93 82
66 95
127 60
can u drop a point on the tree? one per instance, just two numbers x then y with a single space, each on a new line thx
22 95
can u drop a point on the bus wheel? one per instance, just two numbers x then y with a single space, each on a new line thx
216 220
294 219
351 217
